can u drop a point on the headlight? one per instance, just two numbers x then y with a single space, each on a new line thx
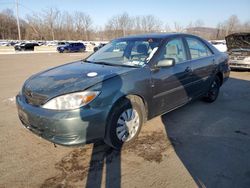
71 101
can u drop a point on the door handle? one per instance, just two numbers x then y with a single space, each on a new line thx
189 70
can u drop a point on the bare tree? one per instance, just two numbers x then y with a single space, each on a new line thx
137 24
83 23
124 22
119 25
167 28
178 28
8 28
232 24
50 17
246 26
52 24
199 23
150 24
34 29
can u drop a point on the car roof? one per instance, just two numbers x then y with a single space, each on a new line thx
156 35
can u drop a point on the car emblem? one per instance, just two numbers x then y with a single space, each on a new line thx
29 93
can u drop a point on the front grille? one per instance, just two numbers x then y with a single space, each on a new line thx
34 98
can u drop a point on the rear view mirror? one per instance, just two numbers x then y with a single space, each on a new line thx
166 62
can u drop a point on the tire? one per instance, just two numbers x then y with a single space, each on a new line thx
213 91
95 49
120 128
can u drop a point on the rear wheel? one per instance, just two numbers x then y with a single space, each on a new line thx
125 121
213 91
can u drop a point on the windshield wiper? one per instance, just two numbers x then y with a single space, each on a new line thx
103 63
117 65
109 64
85 60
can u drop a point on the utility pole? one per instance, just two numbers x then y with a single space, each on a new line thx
17 20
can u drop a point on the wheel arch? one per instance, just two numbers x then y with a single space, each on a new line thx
135 97
120 100
220 76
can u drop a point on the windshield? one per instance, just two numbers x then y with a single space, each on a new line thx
126 52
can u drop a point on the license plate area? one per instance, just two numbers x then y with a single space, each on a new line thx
25 121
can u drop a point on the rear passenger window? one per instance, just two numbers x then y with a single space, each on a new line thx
197 48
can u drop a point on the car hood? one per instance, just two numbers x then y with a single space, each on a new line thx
238 41
68 78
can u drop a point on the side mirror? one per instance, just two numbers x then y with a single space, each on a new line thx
166 62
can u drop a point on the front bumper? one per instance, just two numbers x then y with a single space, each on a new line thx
71 127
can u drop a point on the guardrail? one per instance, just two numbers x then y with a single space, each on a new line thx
45 48
7 49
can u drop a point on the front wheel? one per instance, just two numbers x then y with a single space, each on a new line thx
213 91
125 122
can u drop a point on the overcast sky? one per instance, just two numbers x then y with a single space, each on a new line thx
169 11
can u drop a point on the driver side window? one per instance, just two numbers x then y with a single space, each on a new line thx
174 49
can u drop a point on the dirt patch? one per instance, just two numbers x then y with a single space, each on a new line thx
150 147
72 167
75 166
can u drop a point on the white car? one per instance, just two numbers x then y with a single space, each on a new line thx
220 45
238 45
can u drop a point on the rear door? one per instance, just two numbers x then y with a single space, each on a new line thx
203 64
78 47
74 45
171 84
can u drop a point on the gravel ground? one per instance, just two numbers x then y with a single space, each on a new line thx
198 145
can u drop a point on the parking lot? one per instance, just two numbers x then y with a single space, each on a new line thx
198 145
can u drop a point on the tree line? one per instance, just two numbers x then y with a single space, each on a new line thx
53 24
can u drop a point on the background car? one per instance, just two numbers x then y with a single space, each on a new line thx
99 46
238 45
220 45
26 46
71 47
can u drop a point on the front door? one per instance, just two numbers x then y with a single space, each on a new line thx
171 85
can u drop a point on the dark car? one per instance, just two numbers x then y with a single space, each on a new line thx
110 94
238 45
71 47
99 46
26 46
